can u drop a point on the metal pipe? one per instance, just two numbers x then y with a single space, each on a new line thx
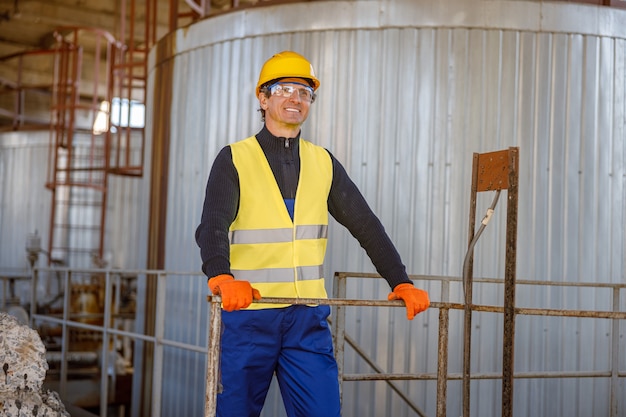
159 334
65 338
213 360
339 329
442 352
467 292
104 372
615 336
476 376
510 276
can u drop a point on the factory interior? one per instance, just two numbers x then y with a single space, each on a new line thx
75 83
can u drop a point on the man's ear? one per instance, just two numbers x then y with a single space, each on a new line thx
263 101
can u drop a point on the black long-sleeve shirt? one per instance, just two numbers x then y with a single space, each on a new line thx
345 203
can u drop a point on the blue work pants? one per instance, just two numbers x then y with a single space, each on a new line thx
295 343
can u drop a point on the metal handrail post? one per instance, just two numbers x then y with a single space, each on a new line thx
159 334
442 351
339 327
104 371
213 358
468 286
64 335
33 295
508 336
615 336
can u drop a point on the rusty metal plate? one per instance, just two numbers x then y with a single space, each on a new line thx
493 171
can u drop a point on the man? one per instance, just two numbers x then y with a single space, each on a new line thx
263 232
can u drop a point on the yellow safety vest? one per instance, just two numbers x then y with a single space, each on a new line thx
280 257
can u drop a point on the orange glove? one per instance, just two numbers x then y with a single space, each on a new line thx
235 294
415 300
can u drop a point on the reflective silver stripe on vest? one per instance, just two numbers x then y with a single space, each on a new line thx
279 274
260 236
277 235
312 232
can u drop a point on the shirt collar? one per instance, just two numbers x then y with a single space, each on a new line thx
270 142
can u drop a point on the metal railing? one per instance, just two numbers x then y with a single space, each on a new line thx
69 321
442 376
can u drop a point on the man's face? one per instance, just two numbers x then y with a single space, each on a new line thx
287 104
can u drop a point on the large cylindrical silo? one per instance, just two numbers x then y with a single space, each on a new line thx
409 90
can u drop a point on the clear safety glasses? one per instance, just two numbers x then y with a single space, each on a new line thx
305 93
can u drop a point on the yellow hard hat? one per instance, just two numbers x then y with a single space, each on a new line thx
286 64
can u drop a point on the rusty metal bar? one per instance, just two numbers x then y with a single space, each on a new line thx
476 376
450 278
619 315
339 328
508 346
442 351
467 291
613 412
213 360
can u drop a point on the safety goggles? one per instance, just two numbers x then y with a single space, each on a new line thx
305 92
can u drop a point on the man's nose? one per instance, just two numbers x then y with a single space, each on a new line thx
295 96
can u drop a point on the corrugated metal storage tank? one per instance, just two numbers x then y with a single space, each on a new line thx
410 89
